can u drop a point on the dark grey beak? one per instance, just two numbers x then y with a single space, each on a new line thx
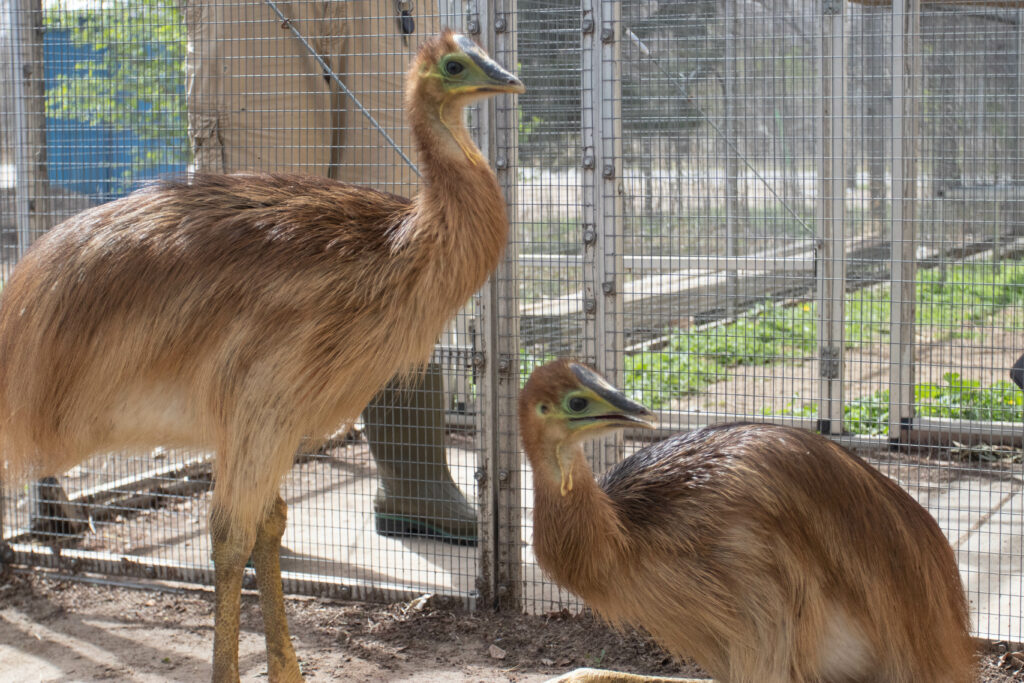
503 80
628 409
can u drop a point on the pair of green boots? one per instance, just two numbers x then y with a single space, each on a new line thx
416 496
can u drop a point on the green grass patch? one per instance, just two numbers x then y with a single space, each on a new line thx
955 398
951 300
693 360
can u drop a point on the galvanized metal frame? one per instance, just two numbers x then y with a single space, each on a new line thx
498 356
906 88
603 264
601 161
831 202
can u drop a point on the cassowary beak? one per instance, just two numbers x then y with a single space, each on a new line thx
498 79
620 409
607 409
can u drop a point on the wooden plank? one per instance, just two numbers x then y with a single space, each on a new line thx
674 421
79 562
784 264
654 303
105 501
942 431
966 4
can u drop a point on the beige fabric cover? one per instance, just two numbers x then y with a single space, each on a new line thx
258 101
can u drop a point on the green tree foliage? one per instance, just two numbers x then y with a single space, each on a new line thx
135 81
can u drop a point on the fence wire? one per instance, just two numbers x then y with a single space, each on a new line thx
792 212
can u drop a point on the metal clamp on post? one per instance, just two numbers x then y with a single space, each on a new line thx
406 23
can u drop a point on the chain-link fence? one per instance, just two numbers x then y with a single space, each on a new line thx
795 212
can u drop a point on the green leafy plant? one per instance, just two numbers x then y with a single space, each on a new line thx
948 300
135 82
955 398
695 359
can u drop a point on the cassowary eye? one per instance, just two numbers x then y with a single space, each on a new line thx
576 404
453 68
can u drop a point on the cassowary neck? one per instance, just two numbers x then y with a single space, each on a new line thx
577 538
461 208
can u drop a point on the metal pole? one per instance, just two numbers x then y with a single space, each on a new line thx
1017 210
732 153
497 360
831 215
906 79
602 196
26 21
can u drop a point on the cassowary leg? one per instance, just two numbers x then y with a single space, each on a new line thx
282 665
231 549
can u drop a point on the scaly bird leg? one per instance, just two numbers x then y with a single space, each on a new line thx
282 665
231 550
604 676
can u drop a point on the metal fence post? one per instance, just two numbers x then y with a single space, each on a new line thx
831 260
731 113
1016 208
906 84
602 192
500 548
26 22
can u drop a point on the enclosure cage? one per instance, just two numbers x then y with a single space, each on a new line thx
808 213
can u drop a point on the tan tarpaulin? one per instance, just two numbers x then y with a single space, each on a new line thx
258 101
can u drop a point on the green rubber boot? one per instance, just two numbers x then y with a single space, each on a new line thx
416 496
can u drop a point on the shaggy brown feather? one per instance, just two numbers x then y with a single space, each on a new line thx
244 313
766 553
241 311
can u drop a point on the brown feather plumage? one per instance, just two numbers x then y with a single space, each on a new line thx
242 309
246 312
767 553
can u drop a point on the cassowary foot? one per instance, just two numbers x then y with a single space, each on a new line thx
605 676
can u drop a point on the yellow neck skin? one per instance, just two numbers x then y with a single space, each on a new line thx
467 147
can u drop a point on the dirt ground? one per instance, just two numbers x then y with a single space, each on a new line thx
53 629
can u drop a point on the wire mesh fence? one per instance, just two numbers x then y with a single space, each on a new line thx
811 225
795 212
118 94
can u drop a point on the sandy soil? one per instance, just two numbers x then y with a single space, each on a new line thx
57 630
52 629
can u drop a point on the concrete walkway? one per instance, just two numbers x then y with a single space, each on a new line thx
330 537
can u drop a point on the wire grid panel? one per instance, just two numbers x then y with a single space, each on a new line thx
120 93
549 233
714 227
817 227
676 195
967 297
932 308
